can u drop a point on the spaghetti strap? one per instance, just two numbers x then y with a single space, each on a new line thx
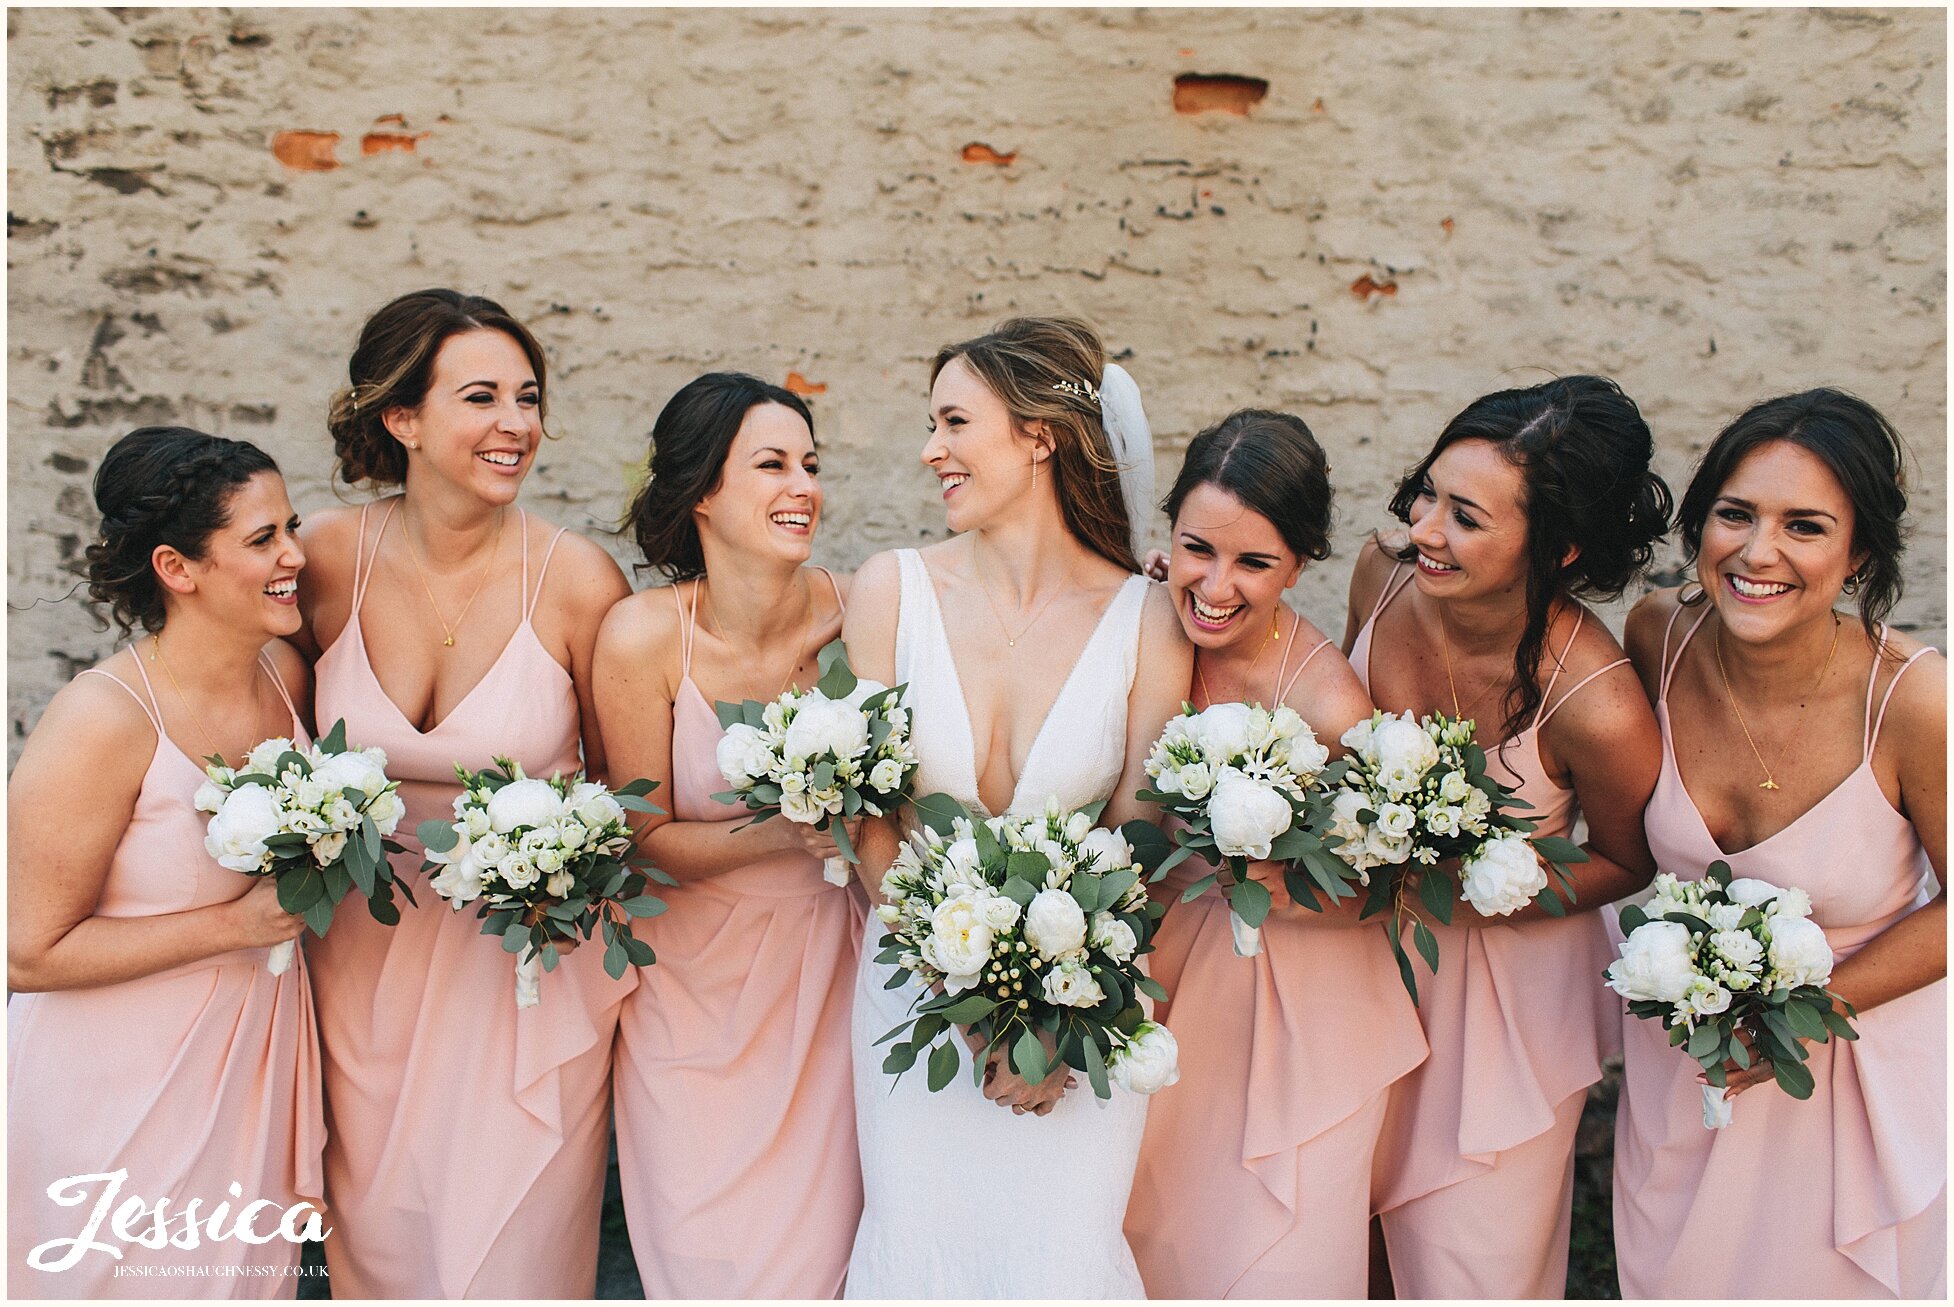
278 683
1282 691
1671 662
147 711
1549 714
1282 667
542 573
1540 714
1392 585
840 603
362 565
1874 723
687 627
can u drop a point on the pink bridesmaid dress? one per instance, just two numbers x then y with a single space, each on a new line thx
468 1138
735 1097
1253 1177
191 1080
1843 1195
1475 1172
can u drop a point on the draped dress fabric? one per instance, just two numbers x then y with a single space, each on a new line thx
1254 1177
735 1101
964 1198
1842 1195
192 1079
1475 1171
468 1138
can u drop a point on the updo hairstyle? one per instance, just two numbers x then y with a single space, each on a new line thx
1272 463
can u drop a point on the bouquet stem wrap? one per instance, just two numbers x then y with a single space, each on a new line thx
280 960
529 980
1716 1108
1248 939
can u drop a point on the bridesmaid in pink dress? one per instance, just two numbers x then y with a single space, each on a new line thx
735 1107
1251 1176
468 1139
145 1034
1529 498
1808 751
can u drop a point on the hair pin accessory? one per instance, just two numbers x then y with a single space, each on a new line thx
1082 389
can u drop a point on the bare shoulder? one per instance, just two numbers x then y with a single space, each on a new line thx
93 728
1647 623
1328 694
581 567
844 582
643 626
877 583
293 670
333 534
1599 696
1916 715
1368 575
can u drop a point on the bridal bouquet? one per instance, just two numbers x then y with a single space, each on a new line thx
1714 957
548 860
316 817
1027 924
838 750
1248 784
1417 793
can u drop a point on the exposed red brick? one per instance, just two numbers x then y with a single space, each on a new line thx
1217 92
1317 107
1363 288
800 385
380 142
978 152
1447 224
1187 54
306 151
396 119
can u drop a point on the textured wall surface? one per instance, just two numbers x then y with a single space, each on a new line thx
1710 206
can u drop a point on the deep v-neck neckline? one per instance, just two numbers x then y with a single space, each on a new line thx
523 627
1051 710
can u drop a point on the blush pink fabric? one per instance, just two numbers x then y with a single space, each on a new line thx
468 1138
1475 1171
1843 1195
1252 1176
735 1097
190 1079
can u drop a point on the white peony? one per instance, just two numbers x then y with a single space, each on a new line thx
351 771
1404 752
523 803
460 879
826 726
1502 877
1751 892
1247 814
1149 1062
743 755
266 755
1054 923
1655 963
1071 984
1223 731
592 805
237 833
209 797
1108 847
1358 738
1793 902
1113 937
1344 807
1800 954
960 940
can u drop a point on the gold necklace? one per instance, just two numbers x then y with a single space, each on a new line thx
156 656
1445 647
719 629
1770 772
1247 675
447 631
1010 640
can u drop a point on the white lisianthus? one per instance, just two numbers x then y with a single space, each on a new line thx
961 863
826 726
1054 923
885 776
801 807
387 810
888 913
1799 952
1792 902
1194 780
1453 787
518 872
1071 984
560 883
999 913
1441 819
1655 963
1380 847
1149 1062
523 803
1738 948
460 879
1396 819
491 850
1248 814
326 851
743 754
1706 998
1113 937
1358 738
1344 807
592 804
237 833
1724 916
209 797
1502 877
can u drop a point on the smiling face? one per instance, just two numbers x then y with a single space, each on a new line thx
1228 570
248 575
1469 523
768 500
981 461
479 423
1777 545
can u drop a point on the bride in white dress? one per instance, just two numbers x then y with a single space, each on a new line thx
1019 639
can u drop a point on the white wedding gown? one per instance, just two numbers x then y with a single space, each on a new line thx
963 1197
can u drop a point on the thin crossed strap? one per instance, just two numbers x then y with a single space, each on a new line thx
1671 662
1544 714
362 565
278 684
1284 687
840 603
1874 723
686 627
542 573
148 706
1392 585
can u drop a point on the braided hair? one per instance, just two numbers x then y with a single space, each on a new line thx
160 486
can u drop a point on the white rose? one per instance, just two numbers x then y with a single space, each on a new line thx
1247 814
1454 787
743 755
826 726
592 805
237 833
1113 937
266 755
1800 954
1502 877
802 807
523 803
351 771
1071 985
1738 948
1108 847
1149 1062
1195 780
1223 730
518 872
1706 998
1654 964
1054 923
960 942
885 776
1000 913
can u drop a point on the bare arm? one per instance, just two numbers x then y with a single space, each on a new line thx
59 852
1366 583
1166 665
869 631
585 585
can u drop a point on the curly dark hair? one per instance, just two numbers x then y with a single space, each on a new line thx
1863 451
1583 451
689 443
160 486
1272 463
392 366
